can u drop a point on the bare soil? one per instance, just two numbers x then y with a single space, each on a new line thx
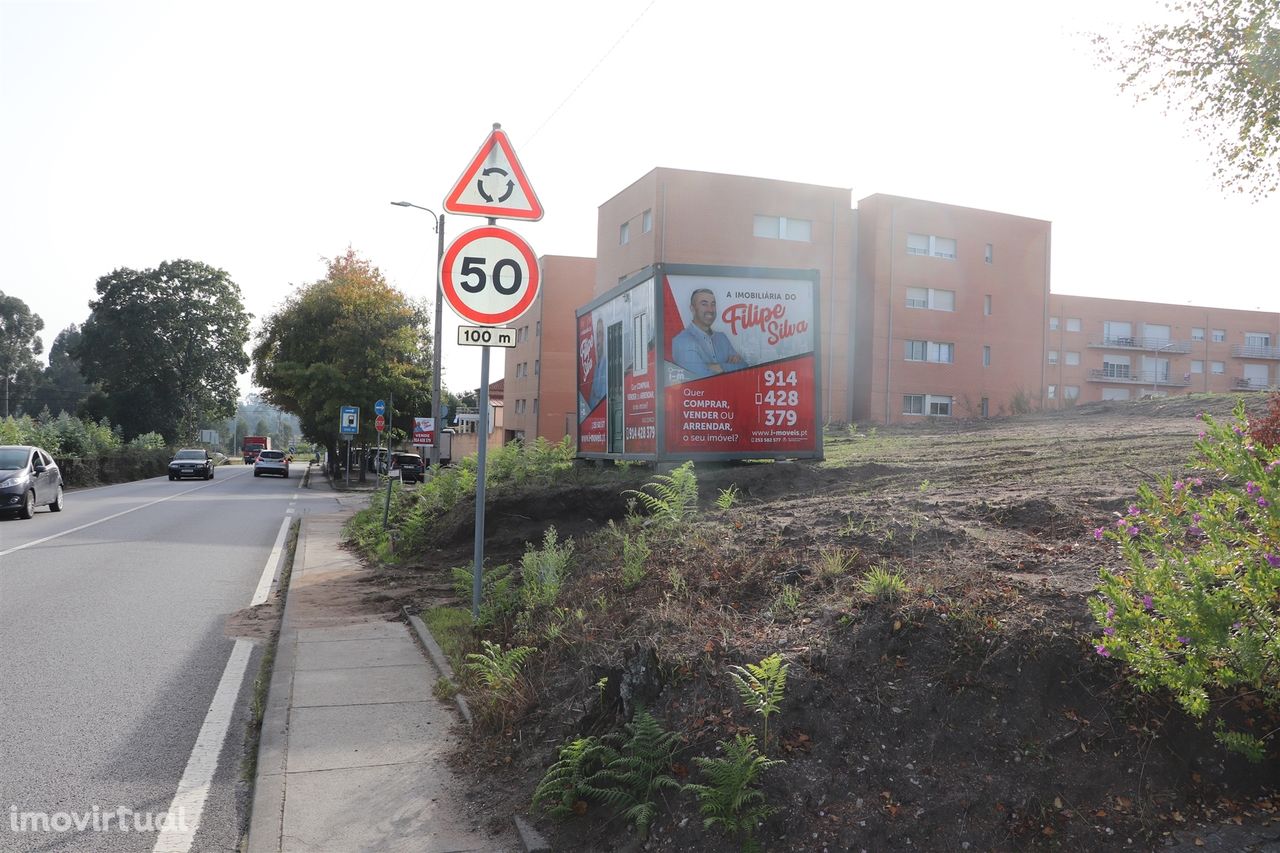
970 713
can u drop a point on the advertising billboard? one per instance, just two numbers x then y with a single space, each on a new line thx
617 374
688 362
739 365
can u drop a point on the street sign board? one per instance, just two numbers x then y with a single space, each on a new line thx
489 275
494 184
380 407
379 423
424 432
486 336
349 420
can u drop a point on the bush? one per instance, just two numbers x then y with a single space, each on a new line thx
1196 608
1265 432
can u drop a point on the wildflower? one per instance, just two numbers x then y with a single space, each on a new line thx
1196 517
1109 631
1264 503
1132 530
1194 531
1197 482
1273 560
1133 509
1097 533
1236 625
1102 650
1186 641
1202 435
1111 613
1251 488
1178 485
1147 603
1239 432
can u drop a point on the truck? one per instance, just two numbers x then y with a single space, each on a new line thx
252 445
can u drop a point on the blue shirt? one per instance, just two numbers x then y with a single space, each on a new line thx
696 350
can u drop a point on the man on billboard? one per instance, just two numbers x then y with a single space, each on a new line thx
697 349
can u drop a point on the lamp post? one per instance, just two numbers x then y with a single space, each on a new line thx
438 224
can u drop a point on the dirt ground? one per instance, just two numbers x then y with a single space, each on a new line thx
969 713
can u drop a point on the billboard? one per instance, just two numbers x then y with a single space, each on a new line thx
739 365
617 376
687 362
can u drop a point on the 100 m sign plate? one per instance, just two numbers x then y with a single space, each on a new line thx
486 336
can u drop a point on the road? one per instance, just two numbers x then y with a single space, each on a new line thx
112 650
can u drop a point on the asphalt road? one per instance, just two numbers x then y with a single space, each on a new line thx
112 647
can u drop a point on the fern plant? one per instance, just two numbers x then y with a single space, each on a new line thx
674 496
544 569
635 554
732 800
761 687
498 594
499 674
727 497
637 769
561 789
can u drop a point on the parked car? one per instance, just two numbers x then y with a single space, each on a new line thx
271 462
28 478
408 465
377 460
191 462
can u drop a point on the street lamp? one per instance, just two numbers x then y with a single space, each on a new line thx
438 224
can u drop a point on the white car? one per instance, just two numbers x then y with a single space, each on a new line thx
271 462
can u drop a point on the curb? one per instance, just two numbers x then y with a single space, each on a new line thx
531 841
438 658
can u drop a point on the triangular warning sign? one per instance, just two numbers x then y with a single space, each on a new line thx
494 185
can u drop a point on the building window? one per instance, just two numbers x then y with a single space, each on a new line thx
535 406
939 405
783 228
1070 392
990 253
538 329
1219 336
941 353
926 404
1218 367
1073 359
1257 339
986 407
1052 393
1197 366
1115 366
537 366
986 305
624 234
1117 333
1157 333
986 356
1197 334
1115 393
1073 324
931 246
913 404
1053 324
927 297
916 350
1053 356
646 221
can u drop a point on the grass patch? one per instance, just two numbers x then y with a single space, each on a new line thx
451 627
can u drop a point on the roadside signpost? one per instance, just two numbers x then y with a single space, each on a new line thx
489 276
379 423
348 427
424 432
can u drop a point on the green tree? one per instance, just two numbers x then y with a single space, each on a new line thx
347 339
1221 61
19 342
166 344
61 387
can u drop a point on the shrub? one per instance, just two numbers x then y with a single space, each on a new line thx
544 569
1196 607
1265 431
503 690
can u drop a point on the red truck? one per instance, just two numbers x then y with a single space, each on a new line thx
252 445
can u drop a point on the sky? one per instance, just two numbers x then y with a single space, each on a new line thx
263 138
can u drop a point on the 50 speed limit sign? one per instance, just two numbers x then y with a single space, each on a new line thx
489 275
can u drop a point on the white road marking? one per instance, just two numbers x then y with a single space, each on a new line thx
269 570
188 804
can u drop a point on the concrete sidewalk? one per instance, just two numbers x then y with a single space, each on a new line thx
353 747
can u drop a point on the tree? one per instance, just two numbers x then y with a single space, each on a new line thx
345 340
1222 62
19 342
61 387
166 345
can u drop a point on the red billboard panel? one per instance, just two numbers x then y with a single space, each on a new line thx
617 375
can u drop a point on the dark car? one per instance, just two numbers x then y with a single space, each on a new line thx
28 478
191 462
408 465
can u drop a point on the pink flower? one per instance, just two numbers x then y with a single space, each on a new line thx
1109 631
1251 488
1102 650
1147 603
1111 613
1132 530
1202 434
1097 533
1133 509
1264 503
1178 485
1273 560
1186 641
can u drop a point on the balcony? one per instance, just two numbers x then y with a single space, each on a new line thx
1144 344
1245 384
1246 351
1137 377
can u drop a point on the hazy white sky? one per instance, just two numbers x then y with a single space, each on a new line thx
262 138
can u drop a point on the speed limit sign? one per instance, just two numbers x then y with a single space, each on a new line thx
489 275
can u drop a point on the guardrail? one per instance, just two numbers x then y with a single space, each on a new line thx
1145 344
1246 351
1137 377
1243 384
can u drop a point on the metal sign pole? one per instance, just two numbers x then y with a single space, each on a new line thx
391 408
482 441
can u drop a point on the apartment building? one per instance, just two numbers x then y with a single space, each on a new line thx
927 309
1115 349
540 395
